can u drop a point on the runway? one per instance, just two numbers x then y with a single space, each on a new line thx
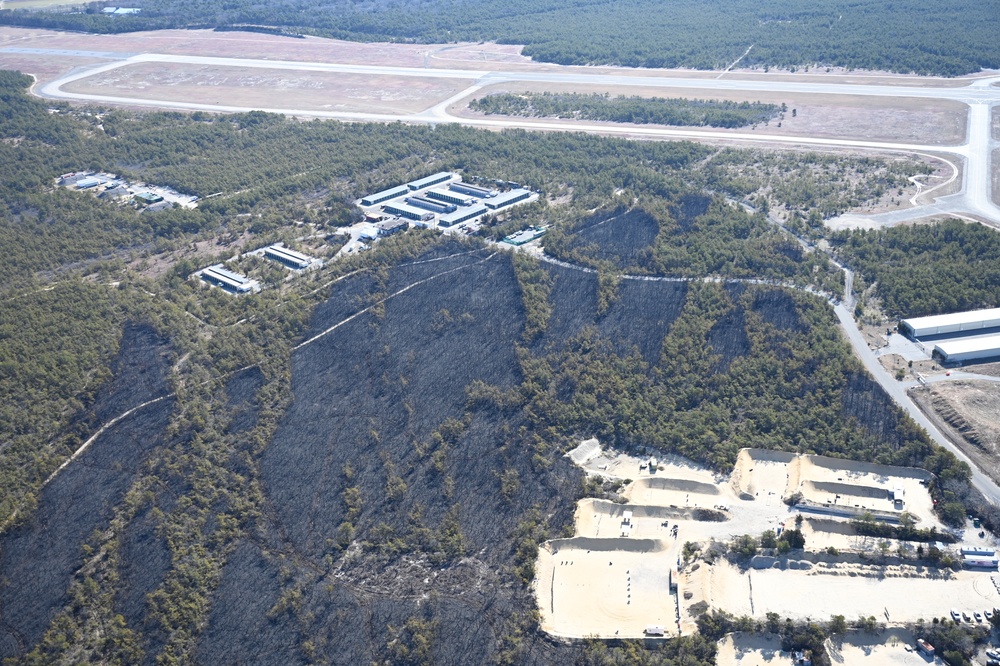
975 153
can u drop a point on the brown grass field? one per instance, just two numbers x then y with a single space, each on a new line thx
235 86
939 122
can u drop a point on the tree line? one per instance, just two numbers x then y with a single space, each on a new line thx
899 37
622 109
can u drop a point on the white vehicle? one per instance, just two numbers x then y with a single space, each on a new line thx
979 616
954 615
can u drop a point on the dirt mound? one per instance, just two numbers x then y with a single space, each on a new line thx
624 545
765 455
682 485
971 408
867 468
850 489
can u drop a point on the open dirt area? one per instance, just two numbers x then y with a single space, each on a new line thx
845 484
888 648
605 587
262 87
869 118
894 594
969 411
739 649
613 578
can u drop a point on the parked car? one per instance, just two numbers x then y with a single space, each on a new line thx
965 616
978 615
993 654
955 616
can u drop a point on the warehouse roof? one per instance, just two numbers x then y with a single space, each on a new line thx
984 343
402 207
507 198
952 319
464 214
433 179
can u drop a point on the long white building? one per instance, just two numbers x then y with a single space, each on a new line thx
968 349
957 322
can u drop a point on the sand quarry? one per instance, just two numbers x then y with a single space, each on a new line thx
623 572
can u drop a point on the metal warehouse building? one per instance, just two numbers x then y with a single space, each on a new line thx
231 282
462 215
384 195
956 322
471 190
968 349
508 198
288 257
449 197
404 210
430 204
430 180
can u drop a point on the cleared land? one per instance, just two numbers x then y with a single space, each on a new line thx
250 87
611 580
896 594
933 121
883 649
970 412
927 121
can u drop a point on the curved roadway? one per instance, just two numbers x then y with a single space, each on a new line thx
974 198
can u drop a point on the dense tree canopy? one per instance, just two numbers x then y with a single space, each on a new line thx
903 36
927 269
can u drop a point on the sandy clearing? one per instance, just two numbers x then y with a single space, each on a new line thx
607 588
259 87
887 648
739 649
664 491
757 470
884 649
891 594
859 117
601 518
865 486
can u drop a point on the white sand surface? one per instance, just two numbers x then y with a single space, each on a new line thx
663 490
757 470
885 649
741 649
902 595
865 486
605 587
613 578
